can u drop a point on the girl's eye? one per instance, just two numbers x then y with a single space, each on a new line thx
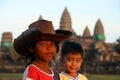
42 44
52 43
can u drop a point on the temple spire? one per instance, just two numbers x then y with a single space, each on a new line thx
98 28
65 23
99 31
86 32
40 17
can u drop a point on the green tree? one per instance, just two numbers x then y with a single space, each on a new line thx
117 46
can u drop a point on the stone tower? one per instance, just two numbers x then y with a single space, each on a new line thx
40 17
99 31
65 23
86 32
6 39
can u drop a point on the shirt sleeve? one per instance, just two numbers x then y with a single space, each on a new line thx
30 74
82 77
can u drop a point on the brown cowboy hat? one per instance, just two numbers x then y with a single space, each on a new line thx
39 30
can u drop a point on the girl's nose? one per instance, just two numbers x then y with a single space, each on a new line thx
49 48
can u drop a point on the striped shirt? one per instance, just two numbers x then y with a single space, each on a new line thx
65 76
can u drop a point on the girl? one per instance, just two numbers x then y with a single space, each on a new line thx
39 43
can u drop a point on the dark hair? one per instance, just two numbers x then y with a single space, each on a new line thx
31 57
69 46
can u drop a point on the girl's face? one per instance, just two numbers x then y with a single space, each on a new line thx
45 50
72 63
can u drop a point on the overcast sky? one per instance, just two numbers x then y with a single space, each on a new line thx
16 15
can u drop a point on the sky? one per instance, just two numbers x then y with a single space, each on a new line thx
17 15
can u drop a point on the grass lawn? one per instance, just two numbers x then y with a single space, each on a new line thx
10 76
18 76
103 77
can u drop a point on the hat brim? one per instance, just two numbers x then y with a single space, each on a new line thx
31 35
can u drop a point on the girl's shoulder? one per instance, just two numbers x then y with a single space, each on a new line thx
32 67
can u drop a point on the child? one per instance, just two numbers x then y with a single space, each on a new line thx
71 57
39 43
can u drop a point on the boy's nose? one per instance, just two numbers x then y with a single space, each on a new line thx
73 63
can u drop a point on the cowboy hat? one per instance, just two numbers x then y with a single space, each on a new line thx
39 30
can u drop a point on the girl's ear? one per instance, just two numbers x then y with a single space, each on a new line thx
31 50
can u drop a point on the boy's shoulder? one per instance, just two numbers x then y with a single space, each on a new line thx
64 76
83 77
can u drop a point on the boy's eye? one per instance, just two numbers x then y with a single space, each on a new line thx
77 60
69 59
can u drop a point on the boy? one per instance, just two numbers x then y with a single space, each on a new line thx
72 58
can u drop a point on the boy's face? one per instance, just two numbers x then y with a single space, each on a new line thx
45 50
72 62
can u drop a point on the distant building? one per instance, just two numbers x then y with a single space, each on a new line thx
6 39
94 45
6 42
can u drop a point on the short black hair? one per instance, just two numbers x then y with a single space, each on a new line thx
70 46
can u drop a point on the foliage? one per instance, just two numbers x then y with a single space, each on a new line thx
100 37
117 46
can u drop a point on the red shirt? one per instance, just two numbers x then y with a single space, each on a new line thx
32 72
